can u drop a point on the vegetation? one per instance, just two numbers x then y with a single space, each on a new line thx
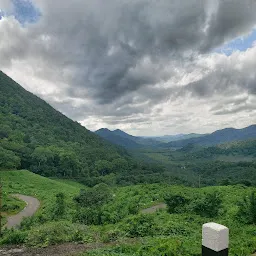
133 233
225 164
247 209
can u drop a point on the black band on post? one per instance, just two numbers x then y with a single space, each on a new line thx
208 252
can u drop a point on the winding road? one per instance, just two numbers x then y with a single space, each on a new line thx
33 205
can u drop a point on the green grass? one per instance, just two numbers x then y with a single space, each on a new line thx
124 232
70 182
44 189
172 229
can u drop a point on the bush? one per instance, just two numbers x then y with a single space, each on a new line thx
14 237
176 203
139 225
57 232
88 216
209 205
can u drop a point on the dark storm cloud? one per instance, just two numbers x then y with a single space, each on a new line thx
230 19
118 49
123 58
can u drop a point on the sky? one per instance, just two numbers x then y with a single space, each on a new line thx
147 67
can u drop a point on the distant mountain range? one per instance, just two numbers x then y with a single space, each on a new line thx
217 137
126 140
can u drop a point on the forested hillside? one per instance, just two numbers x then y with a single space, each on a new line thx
36 137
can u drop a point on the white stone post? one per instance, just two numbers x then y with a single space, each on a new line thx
215 240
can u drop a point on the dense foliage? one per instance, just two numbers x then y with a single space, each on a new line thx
225 164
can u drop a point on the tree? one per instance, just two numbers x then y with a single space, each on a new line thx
96 196
103 167
8 159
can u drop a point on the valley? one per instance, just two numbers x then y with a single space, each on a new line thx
111 193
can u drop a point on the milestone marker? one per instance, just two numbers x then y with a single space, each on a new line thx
215 240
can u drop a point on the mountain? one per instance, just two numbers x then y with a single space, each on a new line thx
35 136
217 137
118 137
124 139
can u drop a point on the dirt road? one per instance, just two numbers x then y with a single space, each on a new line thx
154 208
32 206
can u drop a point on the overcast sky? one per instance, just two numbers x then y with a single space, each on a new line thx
147 67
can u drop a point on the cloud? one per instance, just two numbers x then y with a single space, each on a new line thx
134 64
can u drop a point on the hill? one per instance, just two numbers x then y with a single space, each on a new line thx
36 137
45 189
217 137
126 140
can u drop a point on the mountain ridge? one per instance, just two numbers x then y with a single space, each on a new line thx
217 137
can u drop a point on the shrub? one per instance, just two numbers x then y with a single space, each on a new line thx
208 205
139 225
14 237
176 203
88 216
57 232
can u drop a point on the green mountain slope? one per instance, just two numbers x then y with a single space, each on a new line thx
126 140
114 138
217 137
233 151
36 137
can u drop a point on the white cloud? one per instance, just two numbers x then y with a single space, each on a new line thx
145 67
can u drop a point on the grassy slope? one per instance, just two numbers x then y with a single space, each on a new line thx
27 183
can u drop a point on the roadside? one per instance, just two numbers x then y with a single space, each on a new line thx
33 205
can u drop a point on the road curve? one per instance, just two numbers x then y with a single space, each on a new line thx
32 206
154 208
